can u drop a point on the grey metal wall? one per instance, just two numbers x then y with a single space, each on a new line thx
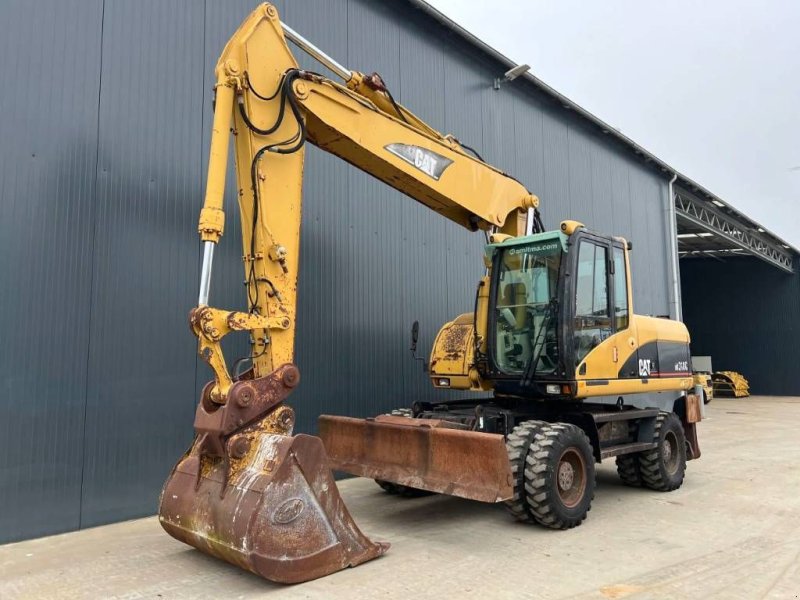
745 314
106 112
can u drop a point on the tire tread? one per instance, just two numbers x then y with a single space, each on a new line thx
518 444
538 486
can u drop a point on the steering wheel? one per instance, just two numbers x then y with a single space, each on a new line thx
539 308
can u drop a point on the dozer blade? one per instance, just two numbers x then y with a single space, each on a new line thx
268 503
422 453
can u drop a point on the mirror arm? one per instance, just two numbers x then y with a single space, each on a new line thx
414 339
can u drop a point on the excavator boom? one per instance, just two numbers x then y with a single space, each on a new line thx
247 491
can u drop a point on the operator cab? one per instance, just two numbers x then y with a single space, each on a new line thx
554 297
525 302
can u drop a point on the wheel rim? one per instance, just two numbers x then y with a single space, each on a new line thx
571 477
670 452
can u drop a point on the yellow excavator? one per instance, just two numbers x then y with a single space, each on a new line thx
575 375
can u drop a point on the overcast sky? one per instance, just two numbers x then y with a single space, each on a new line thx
712 88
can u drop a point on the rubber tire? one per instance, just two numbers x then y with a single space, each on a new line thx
706 399
628 469
541 486
388 486
402 490
517 444
628 464
651 462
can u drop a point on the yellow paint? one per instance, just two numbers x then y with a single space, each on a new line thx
353 121
212 218
569 227
453 356
704 381
604 361
359 123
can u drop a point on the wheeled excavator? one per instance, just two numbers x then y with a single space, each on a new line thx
575 376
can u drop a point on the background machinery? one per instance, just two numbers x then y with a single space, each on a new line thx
575 375
730 383
701 372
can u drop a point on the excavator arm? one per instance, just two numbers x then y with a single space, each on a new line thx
274 107
248 491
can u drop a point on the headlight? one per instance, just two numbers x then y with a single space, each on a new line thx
443 382
553 388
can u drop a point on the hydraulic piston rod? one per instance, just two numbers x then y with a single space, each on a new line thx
316 53
205 273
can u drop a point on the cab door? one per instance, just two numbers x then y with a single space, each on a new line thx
625 346
601 309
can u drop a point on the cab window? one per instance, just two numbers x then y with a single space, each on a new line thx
525 315
592 317
620 290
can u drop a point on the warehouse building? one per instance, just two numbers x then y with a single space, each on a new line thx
103 149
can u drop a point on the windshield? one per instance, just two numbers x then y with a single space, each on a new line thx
525 308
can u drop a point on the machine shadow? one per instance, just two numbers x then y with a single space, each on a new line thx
411 514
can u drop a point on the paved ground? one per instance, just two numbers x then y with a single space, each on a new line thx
732 531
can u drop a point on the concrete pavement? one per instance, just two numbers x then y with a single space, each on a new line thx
732 531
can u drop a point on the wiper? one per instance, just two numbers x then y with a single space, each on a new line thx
533 362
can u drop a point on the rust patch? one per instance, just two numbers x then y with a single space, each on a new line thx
454 341
249 493
422 453
248 401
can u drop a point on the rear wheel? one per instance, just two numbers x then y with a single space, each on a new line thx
387 486
664 467
628 464
518 443
628 469
402 490
559 476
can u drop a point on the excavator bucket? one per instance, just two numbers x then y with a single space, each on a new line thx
267 502
428 454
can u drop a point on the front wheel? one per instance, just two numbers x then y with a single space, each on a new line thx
518 444
559 476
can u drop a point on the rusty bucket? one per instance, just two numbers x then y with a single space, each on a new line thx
264 501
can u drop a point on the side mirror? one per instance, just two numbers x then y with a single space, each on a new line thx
414 335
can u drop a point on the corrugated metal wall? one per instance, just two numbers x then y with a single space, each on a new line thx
103 141
745 314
